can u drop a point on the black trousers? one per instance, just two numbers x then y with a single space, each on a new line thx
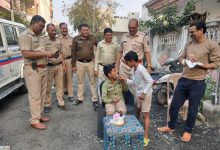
193 90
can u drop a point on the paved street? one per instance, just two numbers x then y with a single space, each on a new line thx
75 129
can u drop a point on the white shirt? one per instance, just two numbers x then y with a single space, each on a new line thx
141 80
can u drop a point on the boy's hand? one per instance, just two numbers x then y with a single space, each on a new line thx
122 79
142 96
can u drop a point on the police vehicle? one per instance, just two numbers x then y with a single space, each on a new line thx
11 60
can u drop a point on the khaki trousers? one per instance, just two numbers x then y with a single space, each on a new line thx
54 73
87 68
36 81
68 78
112 108
101 75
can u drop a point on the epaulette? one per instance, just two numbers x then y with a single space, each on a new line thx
44 36
142 33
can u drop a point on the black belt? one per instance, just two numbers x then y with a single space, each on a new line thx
68 57
84 60
106 64
52 65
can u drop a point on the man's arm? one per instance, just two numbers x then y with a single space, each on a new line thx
63 62
147 53
214 57
182 56
97 55
148 59
73 53
25 44
209 66
119 55
31 54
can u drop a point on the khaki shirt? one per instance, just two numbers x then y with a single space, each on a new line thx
66 45
53 46
83 49
30 41
106 53
206 52
138 43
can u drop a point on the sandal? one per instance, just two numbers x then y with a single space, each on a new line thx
146 141
165 129
186 137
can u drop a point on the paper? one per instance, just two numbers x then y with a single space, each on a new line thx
191 64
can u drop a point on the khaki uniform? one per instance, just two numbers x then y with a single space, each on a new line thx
106 54
83 60
138 43
54 71
35 79
68 76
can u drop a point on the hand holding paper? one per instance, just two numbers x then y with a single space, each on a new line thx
191 64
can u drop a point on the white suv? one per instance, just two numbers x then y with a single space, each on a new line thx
11 60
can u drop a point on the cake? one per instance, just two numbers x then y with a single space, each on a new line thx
118 119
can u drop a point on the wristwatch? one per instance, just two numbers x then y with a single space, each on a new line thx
148 65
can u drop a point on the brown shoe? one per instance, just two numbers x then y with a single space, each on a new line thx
44 119
186 137
63 107
39 126
165 129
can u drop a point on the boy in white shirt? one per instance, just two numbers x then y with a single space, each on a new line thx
142 83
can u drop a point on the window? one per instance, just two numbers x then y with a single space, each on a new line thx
20 30
11 35
1 42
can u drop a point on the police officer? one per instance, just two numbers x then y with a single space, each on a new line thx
83 62
35 69
66 41
105 54
135 41
55 68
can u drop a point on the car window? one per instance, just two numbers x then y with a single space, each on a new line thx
1 42
20 30
11 35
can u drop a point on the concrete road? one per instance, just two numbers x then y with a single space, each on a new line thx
75 128
72 129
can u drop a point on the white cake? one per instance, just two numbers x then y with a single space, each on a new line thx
118 119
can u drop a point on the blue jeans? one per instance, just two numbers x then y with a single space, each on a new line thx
193 90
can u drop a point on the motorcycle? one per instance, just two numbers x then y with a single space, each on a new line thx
160 85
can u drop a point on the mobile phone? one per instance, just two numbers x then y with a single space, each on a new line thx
57 53
34 65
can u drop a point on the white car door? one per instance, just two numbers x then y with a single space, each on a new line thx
5 69
13 49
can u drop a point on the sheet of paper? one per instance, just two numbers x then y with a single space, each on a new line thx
191 64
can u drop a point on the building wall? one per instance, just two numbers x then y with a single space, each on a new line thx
133 15
44 9
121 25
31 7
211 7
